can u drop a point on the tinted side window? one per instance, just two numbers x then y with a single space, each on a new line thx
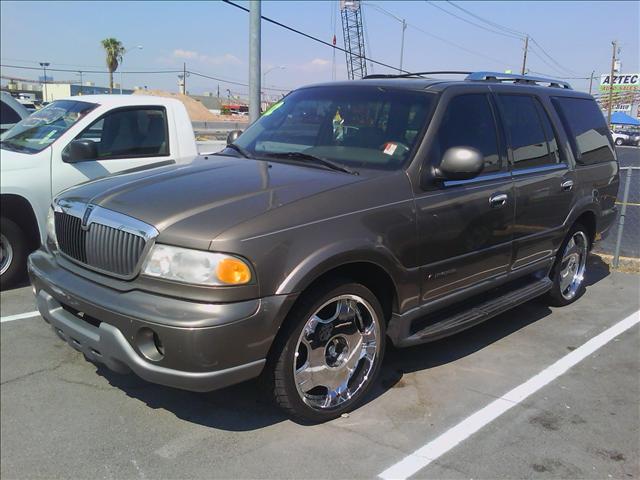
130 133
8 114
587 130
524 130
468 122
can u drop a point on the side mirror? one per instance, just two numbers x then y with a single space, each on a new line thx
233 136
460 163
80 151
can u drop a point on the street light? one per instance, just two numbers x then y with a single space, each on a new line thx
81 85
138 47
44 66
264 75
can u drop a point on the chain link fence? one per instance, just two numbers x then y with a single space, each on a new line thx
624 238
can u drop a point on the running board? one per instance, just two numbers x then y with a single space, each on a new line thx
476 313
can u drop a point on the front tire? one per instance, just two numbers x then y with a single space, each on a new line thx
329 354
569 271
619 141
13 253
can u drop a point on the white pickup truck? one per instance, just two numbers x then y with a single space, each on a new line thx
74 140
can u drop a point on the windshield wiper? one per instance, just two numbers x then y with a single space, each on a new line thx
305 156
238 149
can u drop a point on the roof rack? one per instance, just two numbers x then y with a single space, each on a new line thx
510 77
413 74
480 77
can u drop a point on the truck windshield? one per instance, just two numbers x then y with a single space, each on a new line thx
358 127
42 128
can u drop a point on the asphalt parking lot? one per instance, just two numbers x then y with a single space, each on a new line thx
63 417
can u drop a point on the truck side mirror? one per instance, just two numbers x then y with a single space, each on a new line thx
80 151
460 163
233 136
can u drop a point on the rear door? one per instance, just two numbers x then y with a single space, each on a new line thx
543 180
125 138
464 227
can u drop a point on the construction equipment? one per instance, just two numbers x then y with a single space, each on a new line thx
353 34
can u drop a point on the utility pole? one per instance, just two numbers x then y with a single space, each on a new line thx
404 27
254 60
613 66
81 84
591 81
184 78
524 58
44 66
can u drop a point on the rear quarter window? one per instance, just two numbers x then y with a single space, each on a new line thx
587 130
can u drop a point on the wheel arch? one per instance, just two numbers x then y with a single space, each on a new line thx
588 219
18 209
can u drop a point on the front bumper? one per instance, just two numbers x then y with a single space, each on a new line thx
203 346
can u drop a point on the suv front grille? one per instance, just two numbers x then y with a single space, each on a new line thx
102 247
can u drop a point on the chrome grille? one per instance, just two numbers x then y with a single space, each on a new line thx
99 246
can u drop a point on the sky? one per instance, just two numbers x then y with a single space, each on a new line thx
572 39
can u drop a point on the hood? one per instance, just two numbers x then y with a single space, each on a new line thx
190 205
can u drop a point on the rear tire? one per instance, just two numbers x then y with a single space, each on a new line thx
13 253
328 355
569 270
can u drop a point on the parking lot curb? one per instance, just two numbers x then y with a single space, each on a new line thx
626 264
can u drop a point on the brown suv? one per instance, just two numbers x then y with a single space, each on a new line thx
398 209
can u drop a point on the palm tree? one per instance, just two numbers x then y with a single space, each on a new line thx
114 50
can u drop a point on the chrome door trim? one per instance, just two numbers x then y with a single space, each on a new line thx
544 168
483 178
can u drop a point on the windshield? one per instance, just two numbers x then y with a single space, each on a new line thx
42 128
359 127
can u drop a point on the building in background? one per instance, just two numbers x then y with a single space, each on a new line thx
55 91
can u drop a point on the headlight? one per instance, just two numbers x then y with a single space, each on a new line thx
195 266
51 228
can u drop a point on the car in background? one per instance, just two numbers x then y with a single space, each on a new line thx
71 141
11 112
626 137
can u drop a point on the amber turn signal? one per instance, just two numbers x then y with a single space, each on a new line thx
233 271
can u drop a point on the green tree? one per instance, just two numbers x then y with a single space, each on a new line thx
114 50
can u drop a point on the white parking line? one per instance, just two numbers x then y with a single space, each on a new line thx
19 316
436 448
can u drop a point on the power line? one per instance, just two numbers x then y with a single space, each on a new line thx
488 22
551 58
433 35
316 39
88 71
504 34
198 74
231 82
506 31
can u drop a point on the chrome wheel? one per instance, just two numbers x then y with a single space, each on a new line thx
573 265
6 254
336 352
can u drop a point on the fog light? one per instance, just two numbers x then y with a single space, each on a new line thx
149 344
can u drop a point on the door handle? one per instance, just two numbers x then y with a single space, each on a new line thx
567 185
498 200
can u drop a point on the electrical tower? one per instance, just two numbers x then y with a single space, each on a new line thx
353 34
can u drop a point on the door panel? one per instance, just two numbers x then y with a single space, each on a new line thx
542 205
465 240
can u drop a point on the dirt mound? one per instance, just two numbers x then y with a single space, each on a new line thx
197 111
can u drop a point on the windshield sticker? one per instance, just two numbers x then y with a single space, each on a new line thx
273 108
390 148
46 138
